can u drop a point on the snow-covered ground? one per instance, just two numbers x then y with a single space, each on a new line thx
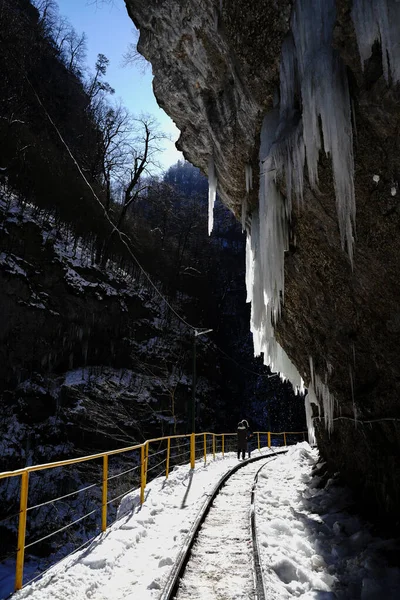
310 546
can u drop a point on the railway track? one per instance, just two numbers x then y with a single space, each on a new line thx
220 559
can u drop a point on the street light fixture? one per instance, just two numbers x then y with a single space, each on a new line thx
197 332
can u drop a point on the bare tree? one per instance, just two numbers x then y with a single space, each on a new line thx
96 85
70 44
48 15
61 31
143 157
130 148
75 45
116 125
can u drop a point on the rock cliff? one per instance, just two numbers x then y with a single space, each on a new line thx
217 73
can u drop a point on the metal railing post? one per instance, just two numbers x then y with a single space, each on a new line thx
284 438
146 461
269 439
223 445
213 446
205 447
168 453
258 439
23 505
192 450
142 473
104 494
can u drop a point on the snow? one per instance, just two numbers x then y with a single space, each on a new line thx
311 546
77 376
10 261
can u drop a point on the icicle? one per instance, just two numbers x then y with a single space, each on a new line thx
378 20
212 191
289 157
249 268
244 214
322 392
325 95
308 400
265 247
248 171
312 71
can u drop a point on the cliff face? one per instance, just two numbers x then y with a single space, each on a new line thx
217 73
215 70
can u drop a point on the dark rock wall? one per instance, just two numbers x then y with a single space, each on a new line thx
216 67
61 330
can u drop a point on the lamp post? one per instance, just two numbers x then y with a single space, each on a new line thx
193 408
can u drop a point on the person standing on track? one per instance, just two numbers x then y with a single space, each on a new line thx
249 437
241 439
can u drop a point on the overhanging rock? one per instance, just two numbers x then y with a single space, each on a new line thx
217 68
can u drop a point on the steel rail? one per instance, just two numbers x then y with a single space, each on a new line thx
177 572
258 575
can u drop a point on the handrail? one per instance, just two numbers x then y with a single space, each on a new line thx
204 438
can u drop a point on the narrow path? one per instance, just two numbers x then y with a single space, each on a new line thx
221 564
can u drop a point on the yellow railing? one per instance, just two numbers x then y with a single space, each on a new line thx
188 449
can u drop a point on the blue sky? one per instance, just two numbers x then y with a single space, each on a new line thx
109 31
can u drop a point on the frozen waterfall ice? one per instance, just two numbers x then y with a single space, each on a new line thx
314 114
267 240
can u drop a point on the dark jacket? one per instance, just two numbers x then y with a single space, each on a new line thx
242 437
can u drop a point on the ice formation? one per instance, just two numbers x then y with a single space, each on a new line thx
244 214
308 401
267 240
325 98
379 20
320 391
249 177
311 70
212 192
314 114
